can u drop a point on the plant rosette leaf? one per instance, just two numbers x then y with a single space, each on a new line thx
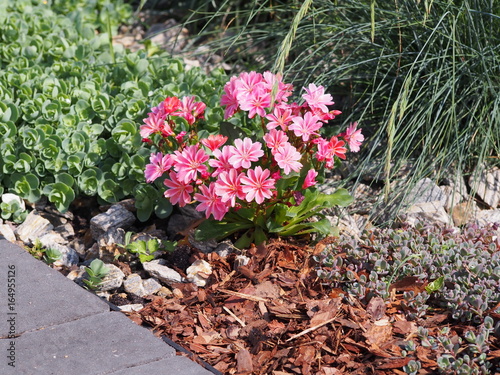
60 194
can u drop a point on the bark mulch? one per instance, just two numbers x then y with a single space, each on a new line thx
274 316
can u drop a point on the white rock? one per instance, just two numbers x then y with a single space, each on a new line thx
159 270
486 183
199 272
428 213
113 279
424 191
134 284
485 217
131 307
33 227
7 232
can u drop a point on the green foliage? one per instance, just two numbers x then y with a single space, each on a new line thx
145 250
51 255
13 211
96 271
71 103
256 223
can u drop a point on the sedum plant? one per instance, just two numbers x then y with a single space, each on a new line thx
96 272
257 174
70 101
463 270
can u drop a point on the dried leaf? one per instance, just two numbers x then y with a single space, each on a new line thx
244 362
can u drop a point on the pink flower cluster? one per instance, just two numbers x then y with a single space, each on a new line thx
222 177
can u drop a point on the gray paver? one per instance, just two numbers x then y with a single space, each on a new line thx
98 344
175 365
62 329
43 297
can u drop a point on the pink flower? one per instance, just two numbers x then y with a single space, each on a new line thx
327 150
159 164
257 185
152 124
283 90
281 117
221 161
275 139
288 158
210 202
245 151
247 83
189 162
171 104
228 186
305 126
255 102
353 137
190 110
316 97
310 179
230 99
214 141
178 191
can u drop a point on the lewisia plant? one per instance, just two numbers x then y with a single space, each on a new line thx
252 185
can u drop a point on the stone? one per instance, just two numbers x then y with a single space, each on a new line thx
7 232
151 286
65 230
33 228
51 237
428 213
486 217
113 280
346 225
159 270
182 220
134 284
169 36
116 216
131 307
69 256
463 213
199 272
204 246
486 184
224 248
112 236
424 191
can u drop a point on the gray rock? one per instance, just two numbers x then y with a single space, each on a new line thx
151 286
65 230
224 248
157 269
486 217
116 217
204 246
486 184
113 279
112 236
424 191
428 213
50 238
182 220
33 227
134 284
346 225
69 256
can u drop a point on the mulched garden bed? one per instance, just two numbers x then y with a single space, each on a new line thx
274 316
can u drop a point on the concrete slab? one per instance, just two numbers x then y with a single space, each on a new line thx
35 295
170 366
95 345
